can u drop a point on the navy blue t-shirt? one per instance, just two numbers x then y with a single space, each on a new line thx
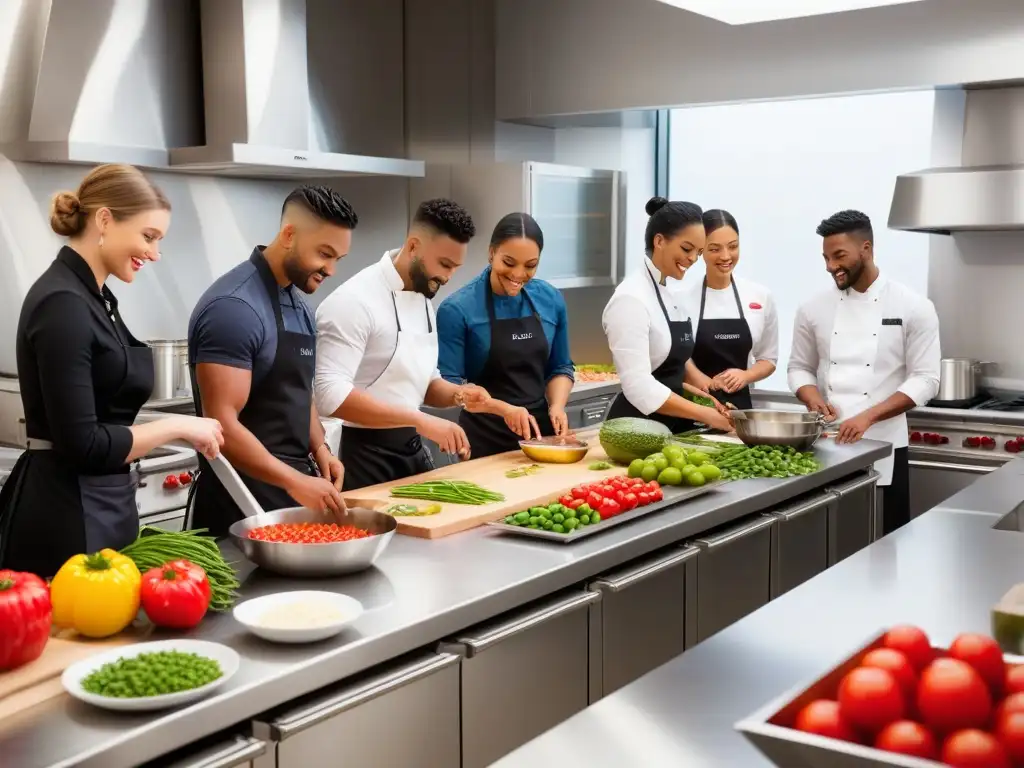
233 323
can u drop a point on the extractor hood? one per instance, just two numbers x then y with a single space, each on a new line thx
985 192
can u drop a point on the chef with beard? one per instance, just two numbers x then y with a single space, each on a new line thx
865 354
377 350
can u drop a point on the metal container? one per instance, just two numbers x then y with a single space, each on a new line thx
171 373
554 453
958 379
796 429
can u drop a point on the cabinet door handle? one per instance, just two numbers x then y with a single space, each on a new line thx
807 507
856 485
241 750
971 469
296 722
492 636
714 542
627 578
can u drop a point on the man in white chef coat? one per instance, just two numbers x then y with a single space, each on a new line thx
866 353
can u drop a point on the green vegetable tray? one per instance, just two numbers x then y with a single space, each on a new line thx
672 495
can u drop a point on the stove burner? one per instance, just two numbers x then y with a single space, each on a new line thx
1010 403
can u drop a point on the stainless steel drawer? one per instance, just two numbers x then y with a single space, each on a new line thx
933 481
800 542
854 520
239 752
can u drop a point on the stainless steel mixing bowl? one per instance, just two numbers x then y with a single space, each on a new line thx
312 560
761 426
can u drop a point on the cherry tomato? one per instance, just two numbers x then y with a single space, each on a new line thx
653 485
1010 732
896 663
619 495
905 737
595 499
973 748
610 508
870 698
984 654
619 484
579 492
1014 682
636 482
567 500
607 490
184 478
643 498
912 643
575 503
1012 703
630 501
822 717
952 696
307 533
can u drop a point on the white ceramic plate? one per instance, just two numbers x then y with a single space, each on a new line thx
248 615
73 675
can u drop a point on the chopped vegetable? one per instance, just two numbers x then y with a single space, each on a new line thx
152 674
175 594
523 471
155 546
307 533
598 466
97 595
447 491
699 399
411 510
25 618
741 462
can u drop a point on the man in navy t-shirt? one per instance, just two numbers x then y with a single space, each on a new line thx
252 350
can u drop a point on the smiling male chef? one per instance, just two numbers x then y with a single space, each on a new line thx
865 354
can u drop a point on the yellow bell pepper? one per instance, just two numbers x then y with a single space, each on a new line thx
97 595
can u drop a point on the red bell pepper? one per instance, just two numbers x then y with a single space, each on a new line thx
176 594
25 618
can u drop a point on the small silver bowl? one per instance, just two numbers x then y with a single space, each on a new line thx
761 426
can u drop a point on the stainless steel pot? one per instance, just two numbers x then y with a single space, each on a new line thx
170 361
958 379
760 426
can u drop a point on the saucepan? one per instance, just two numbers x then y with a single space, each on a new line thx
763 426
958 379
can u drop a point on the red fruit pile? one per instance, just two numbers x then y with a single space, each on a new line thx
963 707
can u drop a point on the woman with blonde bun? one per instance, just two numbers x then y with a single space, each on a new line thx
84 378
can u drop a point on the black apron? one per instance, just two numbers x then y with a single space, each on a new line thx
670 372
277 413
50 512
724 343
373 456
515 373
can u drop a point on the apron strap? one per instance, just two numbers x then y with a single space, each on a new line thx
489 300
657 293
735 293
270 283
426 308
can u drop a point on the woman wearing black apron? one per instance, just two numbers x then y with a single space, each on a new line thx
649 333
507 332
737 338
83 378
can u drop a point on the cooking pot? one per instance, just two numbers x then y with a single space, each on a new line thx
170 361
958 379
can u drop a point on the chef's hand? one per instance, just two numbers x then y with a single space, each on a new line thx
731 380
853 429
472 397
448 435
316 493
817 405
559 420
205 435
330 466
716 420
702 381
520 421
722 409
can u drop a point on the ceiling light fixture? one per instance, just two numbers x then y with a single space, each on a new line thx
754 11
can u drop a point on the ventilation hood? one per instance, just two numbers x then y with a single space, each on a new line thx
985 192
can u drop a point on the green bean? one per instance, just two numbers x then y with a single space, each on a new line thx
450 491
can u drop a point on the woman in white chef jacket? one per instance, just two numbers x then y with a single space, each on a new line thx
736 341
866 353
649 332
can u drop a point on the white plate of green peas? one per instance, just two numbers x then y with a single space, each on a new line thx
149 676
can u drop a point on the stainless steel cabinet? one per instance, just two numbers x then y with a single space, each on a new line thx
641 619
932 480
402 715
800 542
521 675
733 573
854 519
239 752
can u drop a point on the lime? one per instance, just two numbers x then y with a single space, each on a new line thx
636 467
697 458
650 473
661 462
654 456
595 517
710 471
673 451
569 513
670 476
558 517
571 523
584 519
679 463
695 479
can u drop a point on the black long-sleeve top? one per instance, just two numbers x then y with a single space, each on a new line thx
72 367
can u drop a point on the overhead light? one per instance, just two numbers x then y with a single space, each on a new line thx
754 11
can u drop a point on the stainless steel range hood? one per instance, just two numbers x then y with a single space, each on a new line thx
986 192
256 92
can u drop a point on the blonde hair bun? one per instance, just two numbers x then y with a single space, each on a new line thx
66 214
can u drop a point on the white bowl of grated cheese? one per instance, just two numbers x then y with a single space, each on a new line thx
303 616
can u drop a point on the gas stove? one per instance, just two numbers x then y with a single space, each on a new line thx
986 401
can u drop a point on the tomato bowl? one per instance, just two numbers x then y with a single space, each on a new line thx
312 559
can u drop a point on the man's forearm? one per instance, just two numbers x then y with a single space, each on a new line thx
558 390
441 394
894 405
808 394
317 433
247 454
361 408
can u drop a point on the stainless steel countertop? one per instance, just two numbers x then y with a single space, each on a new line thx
421 592
943 572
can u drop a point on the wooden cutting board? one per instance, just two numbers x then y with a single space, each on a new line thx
544 486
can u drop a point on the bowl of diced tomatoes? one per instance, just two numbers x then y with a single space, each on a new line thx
614 495
899 701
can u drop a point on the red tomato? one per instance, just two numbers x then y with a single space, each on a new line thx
654 491
185 478
575 503
175 595
905 737
972 748
1012 703
567 500
609 508
579 492
171 482
982 653
643 498
636 482
595 499
25 618
630 501
619 484
1010 732
870 698
896 663
1014 682
912 643
619 495
822 717
607 490
653 485
952 696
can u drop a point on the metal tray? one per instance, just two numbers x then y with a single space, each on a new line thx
768 728
672 495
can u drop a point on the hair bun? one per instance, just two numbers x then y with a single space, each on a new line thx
655 204
66 214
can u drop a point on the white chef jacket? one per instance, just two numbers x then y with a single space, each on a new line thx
758 310
638 335
357 332
861 348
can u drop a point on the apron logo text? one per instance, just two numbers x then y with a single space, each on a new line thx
726 336
306 352
521 336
